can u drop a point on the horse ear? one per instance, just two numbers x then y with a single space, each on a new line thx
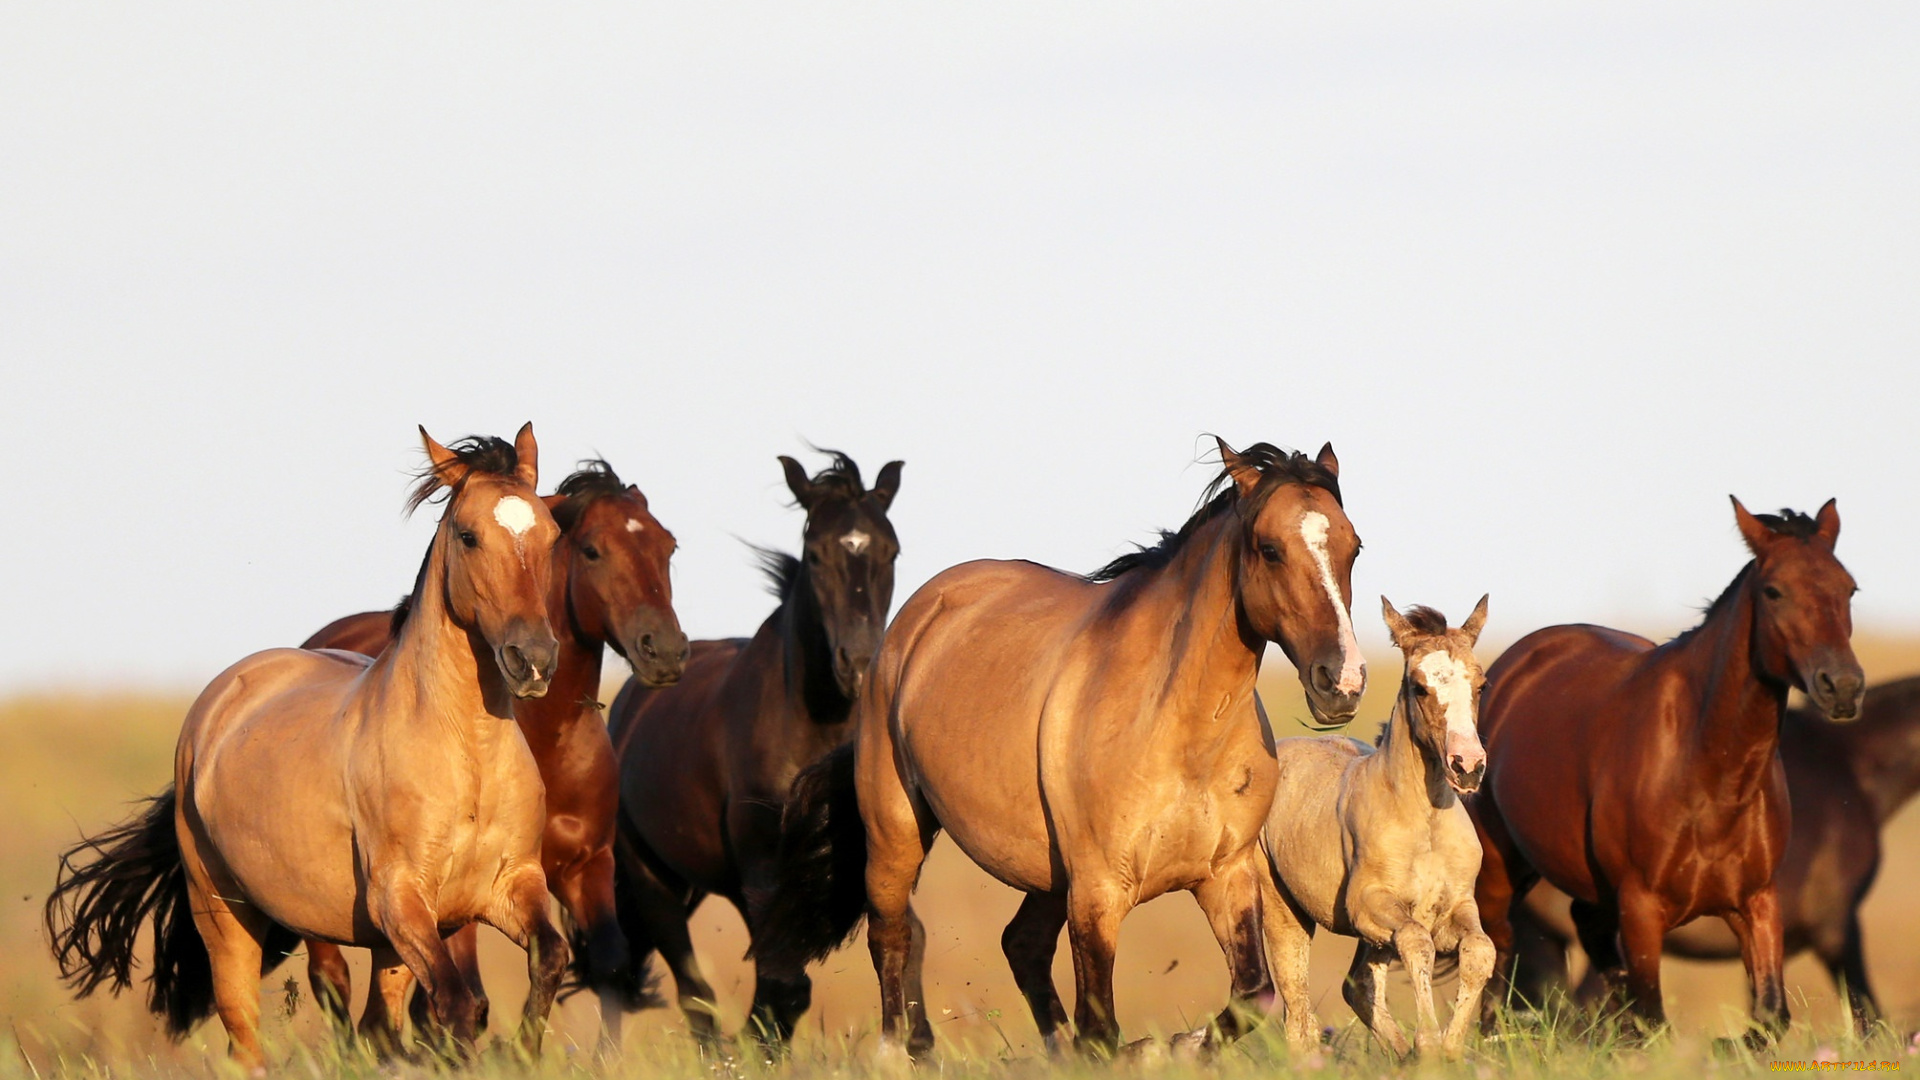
1397 626
1328 461
447 466
1246 477
553 501
797 482
887 484
1475 621
528 451
1752 529
634 490
1828 520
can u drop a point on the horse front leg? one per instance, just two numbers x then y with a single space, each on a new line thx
1763 949
520 912
1476 955
1643 931
402 912
583 883
1094 911
1289 943
1231 899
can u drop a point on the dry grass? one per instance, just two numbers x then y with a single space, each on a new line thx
73 762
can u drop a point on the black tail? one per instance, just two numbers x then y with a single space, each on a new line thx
820 894
95 911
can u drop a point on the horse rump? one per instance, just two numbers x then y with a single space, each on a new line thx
820 891
110 884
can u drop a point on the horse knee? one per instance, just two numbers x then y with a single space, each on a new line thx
1476 957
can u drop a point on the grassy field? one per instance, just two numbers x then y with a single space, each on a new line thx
73 762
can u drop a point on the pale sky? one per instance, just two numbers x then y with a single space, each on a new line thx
1554 279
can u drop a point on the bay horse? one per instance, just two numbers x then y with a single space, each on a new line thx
1844 782
705 764
1645 780
372 802
610 587
1373 842
1092 741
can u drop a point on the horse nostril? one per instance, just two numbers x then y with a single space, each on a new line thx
646 645
516 661
1323 678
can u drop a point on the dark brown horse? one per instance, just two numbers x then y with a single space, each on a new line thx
705 764
1092 741
1645 781
610 586
1844 781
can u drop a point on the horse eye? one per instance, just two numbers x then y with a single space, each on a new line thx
1772 593
1419 691
1269 553
468 538
590 552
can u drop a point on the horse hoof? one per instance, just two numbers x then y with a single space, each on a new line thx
891 1057
1144 1052
1191 1045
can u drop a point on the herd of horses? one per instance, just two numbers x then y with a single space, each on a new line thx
1092 740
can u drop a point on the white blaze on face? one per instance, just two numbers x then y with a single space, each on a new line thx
514 515
1353 670
1449 680
855 542
633 525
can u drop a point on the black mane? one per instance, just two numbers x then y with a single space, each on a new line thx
1277 467
1790 522
782 569
841 477
592 481
1425 620
479 453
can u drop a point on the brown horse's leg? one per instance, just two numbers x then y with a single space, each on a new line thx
1289 941
1029 942
1598 928
522 916
464 946
383 1022
1763 950
1847 965
1503 883
1366 992
332 983
1232 902
1093 932
584 887
407 919
654 913
1643 931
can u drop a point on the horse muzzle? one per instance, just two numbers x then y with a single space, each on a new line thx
1836 686
658 654
527 665
1466 763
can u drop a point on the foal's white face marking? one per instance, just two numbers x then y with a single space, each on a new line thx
633 525
1314 527
1449 680
855 542
514 515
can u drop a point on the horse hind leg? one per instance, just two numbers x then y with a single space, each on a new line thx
331 982
383 1023
1365 990
899 831
1029 942
653 915
1847 965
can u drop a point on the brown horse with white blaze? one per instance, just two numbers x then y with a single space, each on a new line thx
1646 781
1091 741
323 795
610 588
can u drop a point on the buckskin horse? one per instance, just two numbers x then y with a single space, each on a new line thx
1092 741
1645 780
1845 782
610 587
327 796
1373 842
705 764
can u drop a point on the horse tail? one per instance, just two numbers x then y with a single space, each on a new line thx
820 891
107 887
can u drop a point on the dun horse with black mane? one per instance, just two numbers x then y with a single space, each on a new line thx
705 764
1091 741
610 587
1645 781
326 796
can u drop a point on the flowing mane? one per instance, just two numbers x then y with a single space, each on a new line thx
1277 467
1787 522
592 481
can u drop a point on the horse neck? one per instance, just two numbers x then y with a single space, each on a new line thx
438 669
806 667
1409 769
577 668
1883 746
1736 731
1212 657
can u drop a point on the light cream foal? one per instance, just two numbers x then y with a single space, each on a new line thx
1375 844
